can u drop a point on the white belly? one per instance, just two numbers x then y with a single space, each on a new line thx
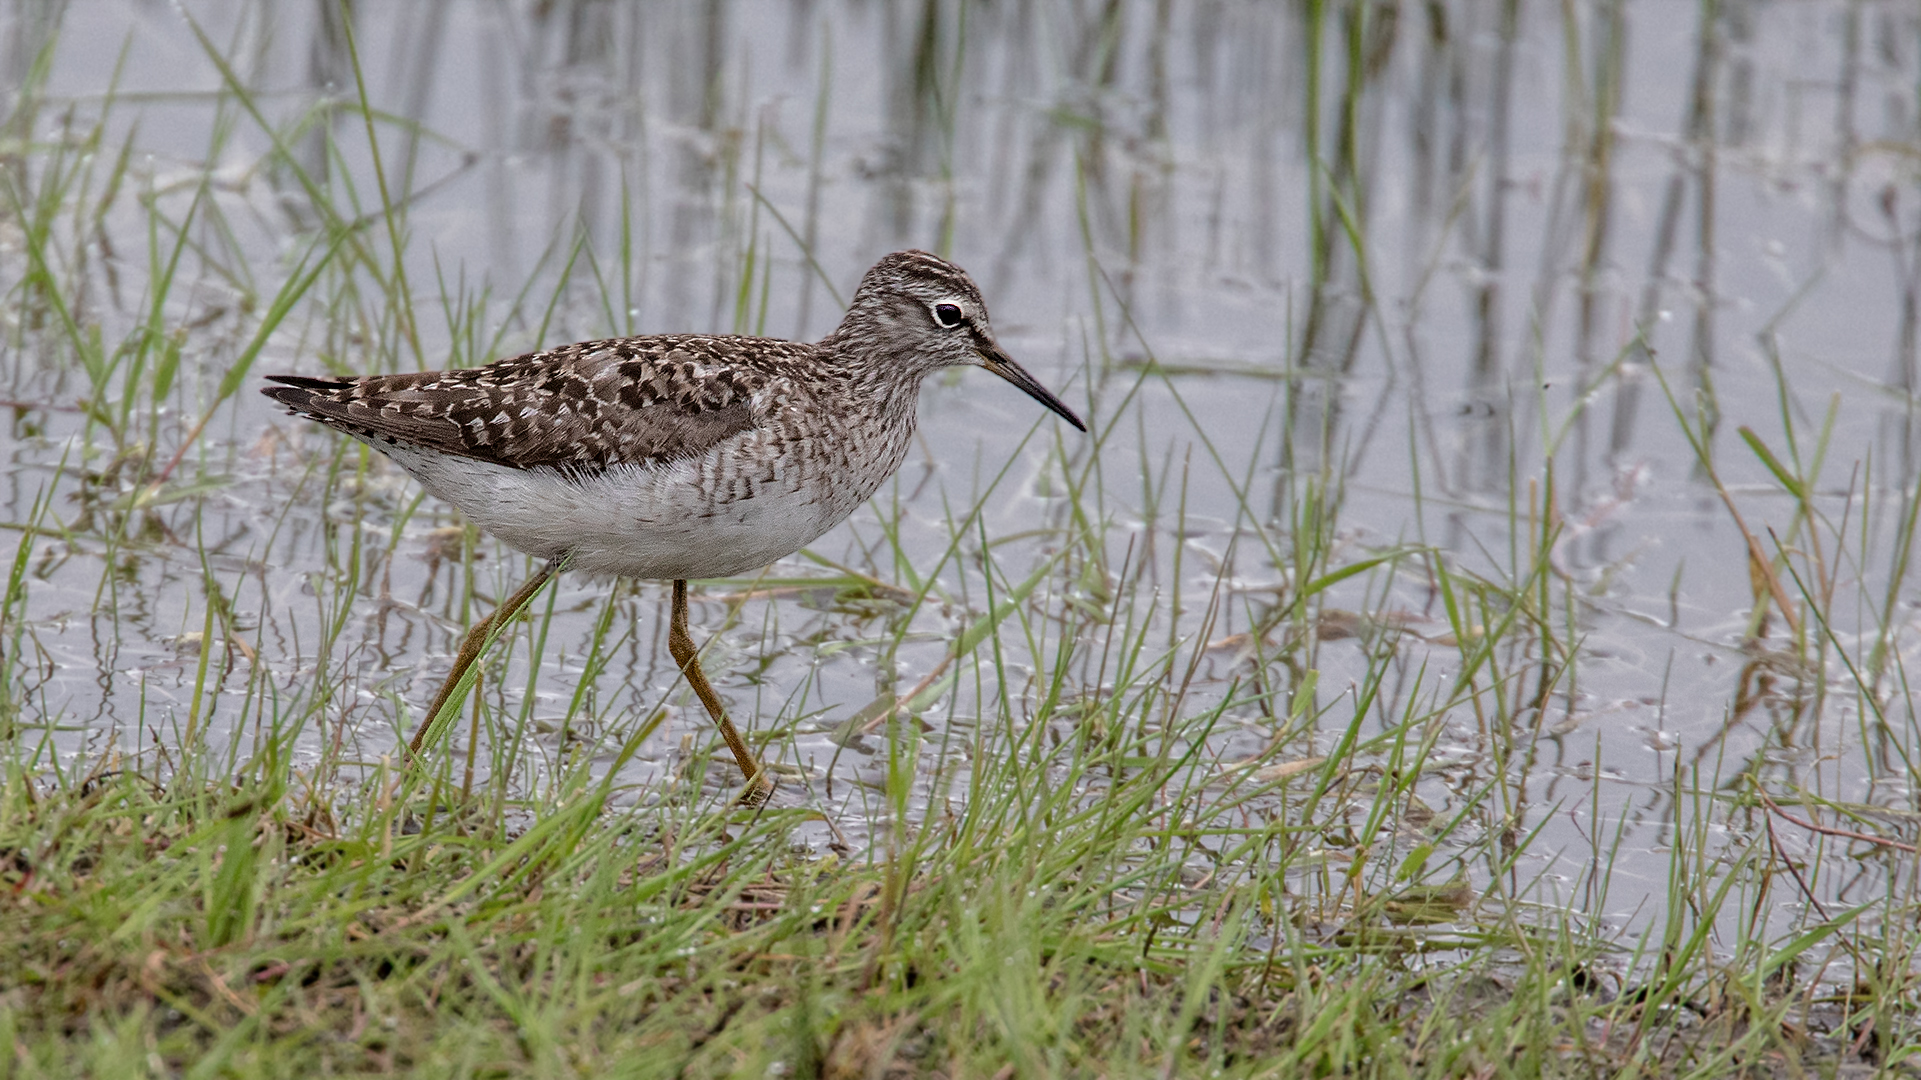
664 522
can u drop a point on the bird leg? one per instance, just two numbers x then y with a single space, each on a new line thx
760 787
476 643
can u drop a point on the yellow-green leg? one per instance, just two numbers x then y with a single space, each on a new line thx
476 644
760 786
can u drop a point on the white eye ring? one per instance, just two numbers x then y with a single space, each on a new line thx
947 316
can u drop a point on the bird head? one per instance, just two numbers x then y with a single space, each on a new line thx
922 312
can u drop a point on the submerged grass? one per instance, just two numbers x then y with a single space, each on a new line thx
1111 810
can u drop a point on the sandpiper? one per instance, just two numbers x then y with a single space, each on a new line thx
673 456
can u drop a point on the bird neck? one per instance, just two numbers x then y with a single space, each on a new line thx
888 383
881 363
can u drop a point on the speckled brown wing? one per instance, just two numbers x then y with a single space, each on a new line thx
579 408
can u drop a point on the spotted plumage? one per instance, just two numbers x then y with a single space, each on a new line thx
579 408
678 456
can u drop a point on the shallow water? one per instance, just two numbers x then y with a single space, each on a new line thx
1558 224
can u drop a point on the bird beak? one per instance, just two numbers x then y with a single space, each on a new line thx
998 362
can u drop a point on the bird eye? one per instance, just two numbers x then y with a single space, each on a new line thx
948 315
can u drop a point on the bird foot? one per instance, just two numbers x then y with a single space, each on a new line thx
758 792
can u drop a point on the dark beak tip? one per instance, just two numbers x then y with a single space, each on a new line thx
1003 365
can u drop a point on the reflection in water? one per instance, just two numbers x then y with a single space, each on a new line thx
329 78
1332 277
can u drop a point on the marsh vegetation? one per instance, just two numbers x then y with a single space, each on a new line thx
1471 641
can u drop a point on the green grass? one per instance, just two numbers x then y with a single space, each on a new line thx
1102 799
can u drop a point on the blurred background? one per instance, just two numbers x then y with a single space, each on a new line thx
1582 333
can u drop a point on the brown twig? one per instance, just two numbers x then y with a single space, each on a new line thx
1824 830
